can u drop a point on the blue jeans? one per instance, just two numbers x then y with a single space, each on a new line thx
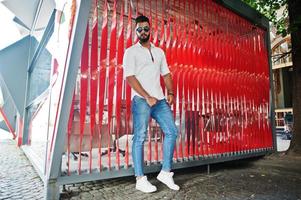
162 114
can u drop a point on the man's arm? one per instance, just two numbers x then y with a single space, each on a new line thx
169 85
134 83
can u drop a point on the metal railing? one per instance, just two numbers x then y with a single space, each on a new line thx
283 58
280 115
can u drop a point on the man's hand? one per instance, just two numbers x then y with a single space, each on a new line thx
170 99
151 101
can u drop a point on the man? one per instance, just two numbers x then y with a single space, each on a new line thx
143 64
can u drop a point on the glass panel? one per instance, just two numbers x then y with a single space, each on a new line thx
40 76
40 26
38 129
40 68
7 106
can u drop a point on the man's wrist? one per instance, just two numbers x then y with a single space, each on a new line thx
147 97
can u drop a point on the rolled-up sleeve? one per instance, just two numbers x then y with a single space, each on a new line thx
164 67
128 63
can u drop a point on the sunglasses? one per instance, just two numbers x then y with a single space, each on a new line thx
140 29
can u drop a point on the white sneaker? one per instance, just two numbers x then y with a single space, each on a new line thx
166 178
144 185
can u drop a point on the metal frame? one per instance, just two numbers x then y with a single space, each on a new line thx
96 175
76 49
245 11
81 20
272 97
42 44
29 153
49 30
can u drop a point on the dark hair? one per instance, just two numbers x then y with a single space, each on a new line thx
141 18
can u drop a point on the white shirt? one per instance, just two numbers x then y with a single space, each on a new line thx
137 61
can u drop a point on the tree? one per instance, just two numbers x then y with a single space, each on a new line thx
293 11
269 8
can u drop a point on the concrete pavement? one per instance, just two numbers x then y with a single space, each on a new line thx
271 177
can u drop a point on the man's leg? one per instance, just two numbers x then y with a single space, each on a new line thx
161 112
141 115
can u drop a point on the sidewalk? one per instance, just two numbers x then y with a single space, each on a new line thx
271 177
18 179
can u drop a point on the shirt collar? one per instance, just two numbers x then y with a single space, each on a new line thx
151 44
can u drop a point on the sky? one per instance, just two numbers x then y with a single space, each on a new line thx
9 32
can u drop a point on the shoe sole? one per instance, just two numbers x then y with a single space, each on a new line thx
146 191
166 184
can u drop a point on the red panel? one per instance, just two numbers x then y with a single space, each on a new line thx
127 88
84 70
93 79
69 128
102 78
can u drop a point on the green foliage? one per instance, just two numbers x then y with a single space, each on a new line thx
269 8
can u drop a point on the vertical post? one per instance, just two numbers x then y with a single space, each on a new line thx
54 167
51 189
76 48
272 98
24 118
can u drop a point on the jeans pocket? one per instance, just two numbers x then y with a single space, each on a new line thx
138 100
139 104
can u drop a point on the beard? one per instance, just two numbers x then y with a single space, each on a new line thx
144 39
